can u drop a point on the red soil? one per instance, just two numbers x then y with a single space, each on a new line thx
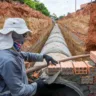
19 10
91 40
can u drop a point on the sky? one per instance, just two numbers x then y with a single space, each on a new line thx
62 7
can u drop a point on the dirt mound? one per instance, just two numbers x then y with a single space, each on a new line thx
16 9
91 40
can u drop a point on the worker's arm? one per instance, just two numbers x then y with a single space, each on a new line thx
12 75
32 57
38 57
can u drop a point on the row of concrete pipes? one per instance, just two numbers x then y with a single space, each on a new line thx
56 45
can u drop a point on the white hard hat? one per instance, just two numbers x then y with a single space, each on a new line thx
17 25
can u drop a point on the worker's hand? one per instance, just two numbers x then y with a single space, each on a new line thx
49 60
41 85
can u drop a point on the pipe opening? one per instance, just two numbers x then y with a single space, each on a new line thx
57 90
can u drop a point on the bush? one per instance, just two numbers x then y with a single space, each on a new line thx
37 6
42 8
30 3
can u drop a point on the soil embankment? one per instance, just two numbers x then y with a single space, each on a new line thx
79 29
75 31
40 24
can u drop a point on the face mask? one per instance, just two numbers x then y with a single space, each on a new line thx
17 46
18 40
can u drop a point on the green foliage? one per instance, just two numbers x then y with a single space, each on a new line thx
68 13
42 8
30 3
37 6
61 16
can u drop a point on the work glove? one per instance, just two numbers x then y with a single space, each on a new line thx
49 60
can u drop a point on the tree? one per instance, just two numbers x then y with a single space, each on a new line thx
30 3
38 6
41 7
61 17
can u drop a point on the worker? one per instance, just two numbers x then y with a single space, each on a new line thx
13 78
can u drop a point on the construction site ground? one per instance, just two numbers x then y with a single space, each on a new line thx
78 30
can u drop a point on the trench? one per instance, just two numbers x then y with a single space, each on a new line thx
56 43
57 47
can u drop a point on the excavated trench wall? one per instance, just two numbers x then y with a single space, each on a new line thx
41 29
75 28
40 24
85 29
91 40
76 46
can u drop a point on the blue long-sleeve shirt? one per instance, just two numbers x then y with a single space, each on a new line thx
13 78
